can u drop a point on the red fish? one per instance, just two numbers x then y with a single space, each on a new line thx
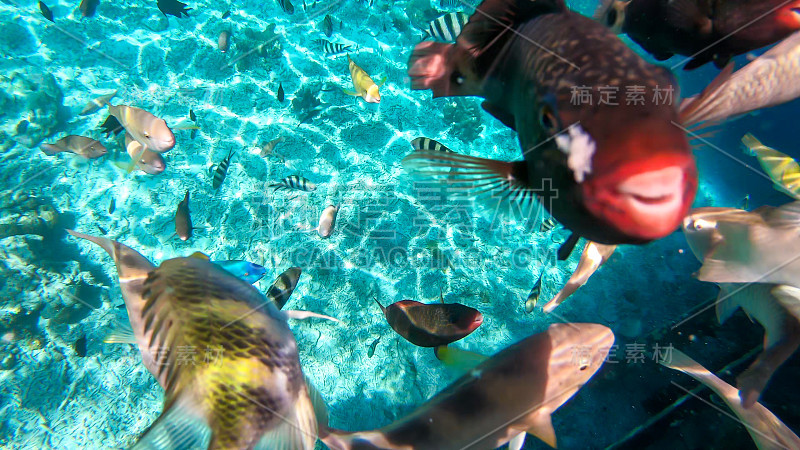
431 325
613 174
704 30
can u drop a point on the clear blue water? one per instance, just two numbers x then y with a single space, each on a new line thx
393 239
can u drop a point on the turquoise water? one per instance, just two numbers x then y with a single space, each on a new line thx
394 239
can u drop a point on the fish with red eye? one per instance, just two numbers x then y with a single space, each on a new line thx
702 30
431 325
612 170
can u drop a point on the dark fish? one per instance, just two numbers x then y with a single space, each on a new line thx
101 229
536 291
173 7
304 5
222 171
431 325
183 220
120 306
295 182
612 173
287 6
566 248
427 144
80 346
22 126
46 12
224 41
701 30
89 7
327 25
192 116
112 206
282 288
372 346
310 114
193 133
547 225
510 394
745 203
112 126
226 14
333 49
281 95
446 28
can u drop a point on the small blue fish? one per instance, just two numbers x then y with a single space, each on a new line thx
247 271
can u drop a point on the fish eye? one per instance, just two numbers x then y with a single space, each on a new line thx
611 17
547 119
584 367
147 135
457 78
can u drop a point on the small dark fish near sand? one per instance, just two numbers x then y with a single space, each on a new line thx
281 96
222 171
372 346
183 221
89 7
327 26
46 12
431 325
310 114
287 6
226 14
294 182
80 346
173 8
112 206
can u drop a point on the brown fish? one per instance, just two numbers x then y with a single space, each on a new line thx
149 161
183 220
702 30
512 393
269 147
224 41
611 170
431 325
97 103
79 145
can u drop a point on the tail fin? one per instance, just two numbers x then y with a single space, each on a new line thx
750 142
129 262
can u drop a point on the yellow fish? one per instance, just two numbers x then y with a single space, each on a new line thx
363 84
783 169
223 352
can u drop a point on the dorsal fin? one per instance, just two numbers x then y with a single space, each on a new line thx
199 255
496 18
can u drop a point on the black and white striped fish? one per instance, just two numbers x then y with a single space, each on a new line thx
222 171
427 144
447 27
333 48
295 182
286 6
547 225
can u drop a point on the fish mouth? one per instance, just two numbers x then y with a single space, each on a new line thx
646 205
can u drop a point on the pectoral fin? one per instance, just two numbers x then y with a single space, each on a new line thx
121 333
542 427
